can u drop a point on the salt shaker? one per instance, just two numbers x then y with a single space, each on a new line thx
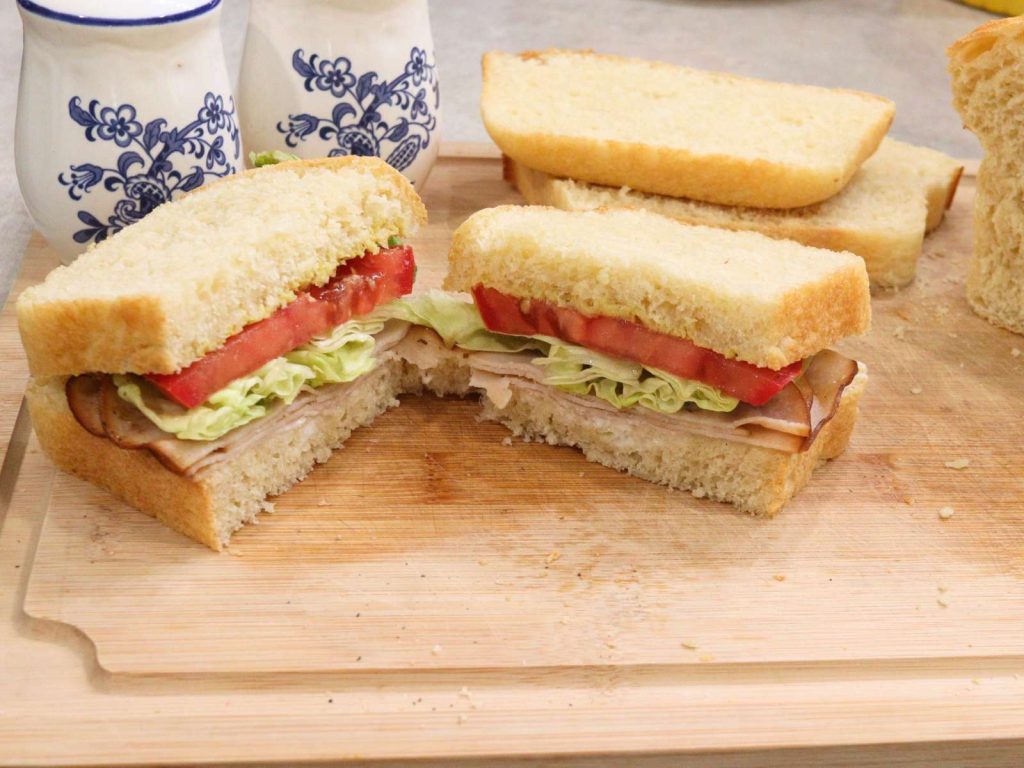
122 106
342 77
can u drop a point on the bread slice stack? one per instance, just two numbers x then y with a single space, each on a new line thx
988 86
585 131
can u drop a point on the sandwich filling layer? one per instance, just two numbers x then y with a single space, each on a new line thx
134 413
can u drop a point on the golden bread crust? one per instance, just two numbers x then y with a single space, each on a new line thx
605 156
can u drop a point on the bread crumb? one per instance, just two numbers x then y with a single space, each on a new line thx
899 332
689 645
1015 352
779 577
610 644
976 681
946 512
322 503
942 587
506 441
699 493
553 555
916 390
706 657
462 719
464 693
958 464
942 601
436 650
903 313
953 335
908 500
234 552
481 561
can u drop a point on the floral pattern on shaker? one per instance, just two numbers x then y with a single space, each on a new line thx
390 119
145 174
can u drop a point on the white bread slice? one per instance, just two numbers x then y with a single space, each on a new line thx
676 131
170 288
757 480
988 87
937 172
768 302
880 215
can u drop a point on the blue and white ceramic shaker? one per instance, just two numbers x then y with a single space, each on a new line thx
122 106
342 77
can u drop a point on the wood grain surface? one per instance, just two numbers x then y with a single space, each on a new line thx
434 592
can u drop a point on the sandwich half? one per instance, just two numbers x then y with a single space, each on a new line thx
209 355
686 355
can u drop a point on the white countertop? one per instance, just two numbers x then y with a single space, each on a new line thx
895 48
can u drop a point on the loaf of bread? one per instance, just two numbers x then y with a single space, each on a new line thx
675 131
177 284
987 67
881 215
767 302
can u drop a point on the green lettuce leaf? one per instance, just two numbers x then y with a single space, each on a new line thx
457 322
259 159
625 384
570 367
344 354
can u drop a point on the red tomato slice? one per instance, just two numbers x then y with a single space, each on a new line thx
621 338
357 287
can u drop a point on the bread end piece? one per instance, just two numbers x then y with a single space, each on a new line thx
987 68
758 481
221 499
163 292
749 297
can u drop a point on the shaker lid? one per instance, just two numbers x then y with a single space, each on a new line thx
119 13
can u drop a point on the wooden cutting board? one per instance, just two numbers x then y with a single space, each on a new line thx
436 592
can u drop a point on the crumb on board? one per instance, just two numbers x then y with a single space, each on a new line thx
689 645
706 657
506 441
461 719
436 650
464 693
553 555
908 500
942 602
942 588
916 390
1015 352
899 331
904 314
958 464
945 513
779 577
